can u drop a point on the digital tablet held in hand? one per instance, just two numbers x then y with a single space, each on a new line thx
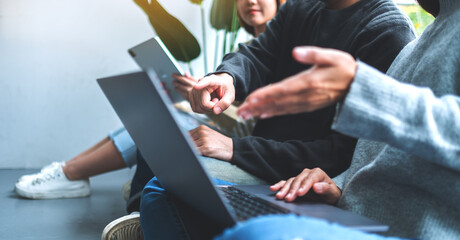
154 54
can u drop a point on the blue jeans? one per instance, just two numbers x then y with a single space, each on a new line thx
125 145
165 217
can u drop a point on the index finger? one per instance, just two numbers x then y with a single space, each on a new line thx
206 82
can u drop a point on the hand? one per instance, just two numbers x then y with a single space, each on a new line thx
322 186
212 144
184 84
213 93
325 83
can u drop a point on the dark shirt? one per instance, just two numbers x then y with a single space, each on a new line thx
281 147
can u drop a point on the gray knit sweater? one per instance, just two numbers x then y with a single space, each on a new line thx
406 167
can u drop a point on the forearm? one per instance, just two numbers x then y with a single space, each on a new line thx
405 116
274 160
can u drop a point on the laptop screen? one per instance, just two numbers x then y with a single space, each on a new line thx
151 120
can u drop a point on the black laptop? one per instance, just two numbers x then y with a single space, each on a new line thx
150 118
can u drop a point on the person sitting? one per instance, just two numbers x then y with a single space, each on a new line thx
254 23
70 179
374 31
280 147
405 168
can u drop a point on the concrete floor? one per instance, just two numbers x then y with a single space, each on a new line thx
79 218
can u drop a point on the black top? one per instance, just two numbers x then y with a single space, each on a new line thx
281 147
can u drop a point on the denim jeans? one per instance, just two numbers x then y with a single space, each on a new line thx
125 145
166 217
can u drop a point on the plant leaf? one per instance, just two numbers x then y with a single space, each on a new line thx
222 14
179 41
198 2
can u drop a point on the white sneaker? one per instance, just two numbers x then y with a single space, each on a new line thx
44 170
124 228
52 184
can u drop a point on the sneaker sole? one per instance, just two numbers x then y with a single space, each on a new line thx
123 228
79 193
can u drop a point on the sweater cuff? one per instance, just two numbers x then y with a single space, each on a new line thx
223 71
367 101
236 149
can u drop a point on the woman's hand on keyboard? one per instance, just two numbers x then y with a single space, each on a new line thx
315 182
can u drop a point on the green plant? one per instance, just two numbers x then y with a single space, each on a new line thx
176 37
223 17
419 17
180 42
203 32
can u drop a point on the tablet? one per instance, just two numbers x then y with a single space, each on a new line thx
153 54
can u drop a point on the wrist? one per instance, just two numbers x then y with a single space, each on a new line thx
225 76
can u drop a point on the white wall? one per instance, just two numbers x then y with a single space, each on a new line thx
51 52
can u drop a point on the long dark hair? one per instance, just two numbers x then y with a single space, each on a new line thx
250 29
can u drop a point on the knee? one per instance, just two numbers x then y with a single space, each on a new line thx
152 190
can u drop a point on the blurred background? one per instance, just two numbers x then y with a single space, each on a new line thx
52 51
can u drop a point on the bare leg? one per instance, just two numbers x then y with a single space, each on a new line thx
94 147
101 158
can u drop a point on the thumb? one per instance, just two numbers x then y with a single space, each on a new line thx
223 103
329 192
316 55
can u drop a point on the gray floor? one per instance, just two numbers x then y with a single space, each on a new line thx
80 218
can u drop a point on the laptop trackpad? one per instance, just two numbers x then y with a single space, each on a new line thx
317 210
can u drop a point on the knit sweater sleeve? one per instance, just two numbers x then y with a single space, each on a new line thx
274 160
404 116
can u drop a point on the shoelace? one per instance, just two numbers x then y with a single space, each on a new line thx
47 169
47 177
52 166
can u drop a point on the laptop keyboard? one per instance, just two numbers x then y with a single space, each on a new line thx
247 205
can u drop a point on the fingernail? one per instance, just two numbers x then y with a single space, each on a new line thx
289 195
319 187
264 115
301 52
217 110
301 189
253 100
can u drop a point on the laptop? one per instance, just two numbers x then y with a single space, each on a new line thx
152 121
154 54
